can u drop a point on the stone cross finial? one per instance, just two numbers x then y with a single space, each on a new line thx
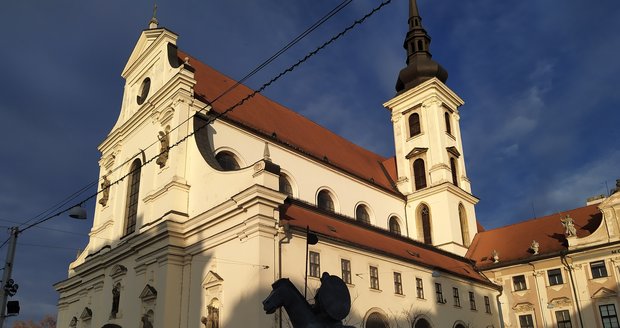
154 22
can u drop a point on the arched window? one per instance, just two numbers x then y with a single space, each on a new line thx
394 226
325 201
361 214
285 185
144 91
424 224
446 116
455 179
422 323
414 125
419 174
133 190
464 225
227 161
376 320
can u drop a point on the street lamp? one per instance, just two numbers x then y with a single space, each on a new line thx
9 287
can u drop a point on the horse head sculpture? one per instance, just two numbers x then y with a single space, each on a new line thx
332 303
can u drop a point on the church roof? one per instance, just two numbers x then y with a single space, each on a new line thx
348 231
276 122
512 242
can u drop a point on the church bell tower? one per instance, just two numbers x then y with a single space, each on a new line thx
429 151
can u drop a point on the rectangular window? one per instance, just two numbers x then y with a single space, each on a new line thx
555 277
398 284
439 293
457 298
609 316
563 319
519 283
598 269
374 278
346 270
487 305
526 321
315 265
419 288
472 301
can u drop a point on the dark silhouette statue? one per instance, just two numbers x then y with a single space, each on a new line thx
332 303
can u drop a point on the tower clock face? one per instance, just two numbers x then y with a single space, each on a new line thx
144 91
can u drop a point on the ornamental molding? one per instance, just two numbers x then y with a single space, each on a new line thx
117 271
523 307
87 314
560 301
417 151
148 294
604 293
211 280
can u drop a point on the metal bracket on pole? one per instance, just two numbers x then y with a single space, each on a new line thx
8 270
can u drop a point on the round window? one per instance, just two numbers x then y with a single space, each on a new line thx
144 91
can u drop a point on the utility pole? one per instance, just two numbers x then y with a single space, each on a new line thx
8 269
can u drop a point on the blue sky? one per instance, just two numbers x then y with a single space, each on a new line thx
540 80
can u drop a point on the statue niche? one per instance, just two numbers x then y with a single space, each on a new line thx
332 303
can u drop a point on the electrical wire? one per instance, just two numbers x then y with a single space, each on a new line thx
223 113
296 40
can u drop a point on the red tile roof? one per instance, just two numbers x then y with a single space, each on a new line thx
275 121
345 230
513 242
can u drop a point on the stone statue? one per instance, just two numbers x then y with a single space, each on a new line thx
164 145
105 190
146 322
332 303
495 256
569 226
534 247
213 317
116 297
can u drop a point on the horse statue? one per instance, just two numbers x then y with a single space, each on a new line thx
332 303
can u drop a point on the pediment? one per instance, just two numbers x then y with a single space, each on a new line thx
604 293
118 270
523 307
415 152
149 293
145 42
560 301
87 314
211 279
452 150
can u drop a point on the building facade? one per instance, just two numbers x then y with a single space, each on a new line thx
201 208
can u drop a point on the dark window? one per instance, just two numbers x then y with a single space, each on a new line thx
227 161
361 214
464 225
609 316
315 264
419 174
563 319
419 288
325 201
285 185
457 298
446 116
472 301
455 178
519 283
376 320
398 284
439 293
374 278
346 270
394 226
414 125
487 305
526 321
144 91
420 47
132 197
425 221
598 269
555 277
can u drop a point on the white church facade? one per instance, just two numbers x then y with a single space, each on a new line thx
201 210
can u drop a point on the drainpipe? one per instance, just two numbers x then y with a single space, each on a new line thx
572 284
499 307
538 294
406 220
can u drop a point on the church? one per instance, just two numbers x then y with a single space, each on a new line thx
208 191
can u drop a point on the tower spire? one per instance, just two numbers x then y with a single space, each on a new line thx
420 66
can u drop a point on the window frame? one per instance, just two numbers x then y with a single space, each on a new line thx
529 318
472 301
601 269
439 293
330 206
284 182
374 277
362 210
419 174
228 161
518 286
487 305
554 276
346 271
565 321
608 316
419 288
456 297
314 264
448 123
133 197
398 283
394 225
417 124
